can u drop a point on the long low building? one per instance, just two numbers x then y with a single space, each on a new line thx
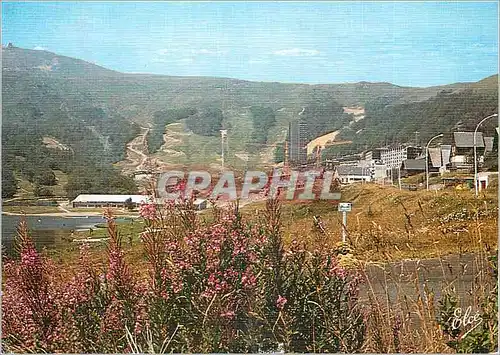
123 201
109 200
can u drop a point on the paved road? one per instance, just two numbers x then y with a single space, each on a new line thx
395 279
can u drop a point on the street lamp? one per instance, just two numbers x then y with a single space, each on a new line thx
399 176
475 152
427 159
223 135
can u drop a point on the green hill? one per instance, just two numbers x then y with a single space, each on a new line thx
96 111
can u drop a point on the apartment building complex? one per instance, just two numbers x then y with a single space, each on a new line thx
297 143
393 156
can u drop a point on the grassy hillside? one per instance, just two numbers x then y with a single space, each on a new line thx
391 224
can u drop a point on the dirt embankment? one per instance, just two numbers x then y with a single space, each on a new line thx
54 144
321 141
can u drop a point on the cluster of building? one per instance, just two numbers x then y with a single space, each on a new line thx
390 163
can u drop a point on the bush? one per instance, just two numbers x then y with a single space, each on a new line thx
223 286
47 178
42 191
9 182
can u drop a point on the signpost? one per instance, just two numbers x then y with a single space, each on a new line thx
344 207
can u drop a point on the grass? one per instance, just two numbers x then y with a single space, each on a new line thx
67 255
415 310
62 180
391 224
116 211
434 178
196 149
31 209
26 188
203 150
128 228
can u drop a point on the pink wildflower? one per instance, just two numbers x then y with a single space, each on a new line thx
280 302
147 211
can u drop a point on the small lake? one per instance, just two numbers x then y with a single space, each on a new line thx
48 231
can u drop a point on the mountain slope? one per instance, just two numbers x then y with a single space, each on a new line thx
400 122
97 111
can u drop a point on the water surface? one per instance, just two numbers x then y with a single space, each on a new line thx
48 231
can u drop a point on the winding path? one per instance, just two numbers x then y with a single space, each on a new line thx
138 146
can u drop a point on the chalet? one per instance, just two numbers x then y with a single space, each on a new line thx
462 151
488 144
411 167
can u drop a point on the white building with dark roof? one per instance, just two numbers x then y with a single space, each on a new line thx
411 167
99 201
124 201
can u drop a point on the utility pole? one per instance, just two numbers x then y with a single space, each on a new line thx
475 152
399 176
427 160
223 134
344 225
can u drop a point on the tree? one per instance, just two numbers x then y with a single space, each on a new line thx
99 180
42 191
206 122
263 120
47 178
9 182
128 204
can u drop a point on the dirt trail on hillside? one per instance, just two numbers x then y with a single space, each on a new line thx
357 112
171 139
137 150
54 144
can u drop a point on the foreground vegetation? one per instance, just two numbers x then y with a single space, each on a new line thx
230 282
